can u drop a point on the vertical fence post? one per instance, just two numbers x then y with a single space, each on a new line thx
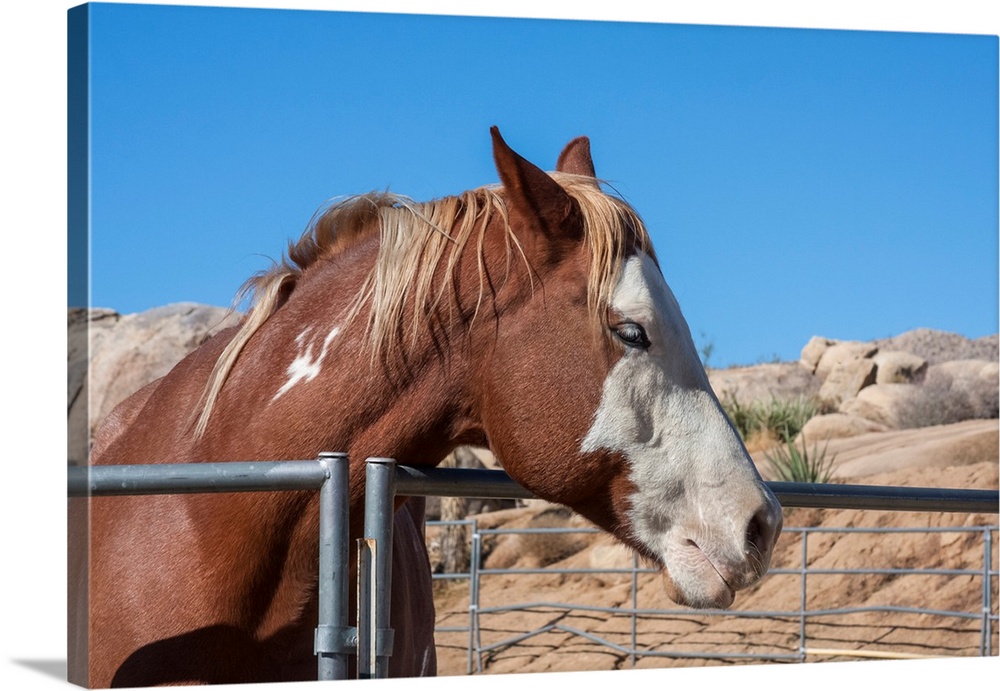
986 643
473 589
635 606
474 637
335 641
802 597
375 639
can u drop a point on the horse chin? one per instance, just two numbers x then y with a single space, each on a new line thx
707 593
707 596
698 585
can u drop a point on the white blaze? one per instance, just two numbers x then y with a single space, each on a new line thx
694 480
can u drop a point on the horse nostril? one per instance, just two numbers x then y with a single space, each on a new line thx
753 531
759 536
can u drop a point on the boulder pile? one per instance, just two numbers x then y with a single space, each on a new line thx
920 378
872 387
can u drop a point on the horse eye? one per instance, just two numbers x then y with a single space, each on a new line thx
632 334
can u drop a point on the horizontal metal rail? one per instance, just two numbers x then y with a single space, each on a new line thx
790 614
458 482
195 478
465 482
808 495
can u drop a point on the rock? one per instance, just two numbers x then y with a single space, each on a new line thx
838 425
762 383
813 351
610 556
969 443
899 367
890 405
840 352
845 380
82 327
125 353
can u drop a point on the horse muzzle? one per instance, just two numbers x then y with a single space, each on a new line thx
704 571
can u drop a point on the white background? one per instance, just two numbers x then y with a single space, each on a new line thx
33 215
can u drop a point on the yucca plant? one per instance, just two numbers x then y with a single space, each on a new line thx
785 418
789 463
780 419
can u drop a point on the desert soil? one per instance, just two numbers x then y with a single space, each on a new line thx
962 455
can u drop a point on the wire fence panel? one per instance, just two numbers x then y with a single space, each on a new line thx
807 625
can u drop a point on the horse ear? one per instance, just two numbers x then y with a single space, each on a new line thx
533 196
575 158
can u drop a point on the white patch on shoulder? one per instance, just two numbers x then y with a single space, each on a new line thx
305 367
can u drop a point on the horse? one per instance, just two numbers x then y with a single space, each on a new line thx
529 317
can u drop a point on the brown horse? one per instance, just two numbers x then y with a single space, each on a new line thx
530 318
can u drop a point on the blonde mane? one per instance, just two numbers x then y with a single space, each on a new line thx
414 239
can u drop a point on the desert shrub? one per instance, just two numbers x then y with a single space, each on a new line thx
780 419
789 463
940 400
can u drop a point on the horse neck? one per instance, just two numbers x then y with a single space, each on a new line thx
308 383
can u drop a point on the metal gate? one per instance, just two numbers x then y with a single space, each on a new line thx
371 640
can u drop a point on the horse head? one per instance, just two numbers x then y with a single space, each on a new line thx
593 394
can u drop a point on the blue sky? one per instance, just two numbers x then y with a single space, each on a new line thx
796 182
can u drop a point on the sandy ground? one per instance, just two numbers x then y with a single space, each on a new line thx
963 455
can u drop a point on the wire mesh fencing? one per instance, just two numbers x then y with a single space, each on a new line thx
832 593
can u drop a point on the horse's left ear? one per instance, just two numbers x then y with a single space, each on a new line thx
532 195
575 158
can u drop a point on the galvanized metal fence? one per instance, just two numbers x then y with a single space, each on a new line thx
477 612
371 640
335 641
